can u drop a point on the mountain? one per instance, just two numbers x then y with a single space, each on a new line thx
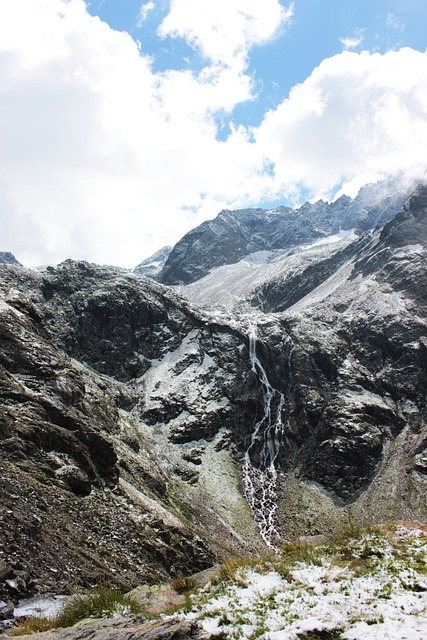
115 427
8 258
147 431
233 235
154 264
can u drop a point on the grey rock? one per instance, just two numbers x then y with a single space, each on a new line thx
6 257
154 264
135 628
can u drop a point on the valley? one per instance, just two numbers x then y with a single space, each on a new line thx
250 394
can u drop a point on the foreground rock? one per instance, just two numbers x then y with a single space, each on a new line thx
132 628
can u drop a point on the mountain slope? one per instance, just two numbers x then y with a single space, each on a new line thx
90 486
357 421
347 351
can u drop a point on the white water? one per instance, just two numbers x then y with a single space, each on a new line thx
259 470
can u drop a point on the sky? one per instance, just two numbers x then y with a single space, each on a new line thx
125 123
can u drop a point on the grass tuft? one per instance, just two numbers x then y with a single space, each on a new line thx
102 602
184 584
299 551
232 570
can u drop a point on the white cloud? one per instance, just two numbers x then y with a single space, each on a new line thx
104 159
100 157
356 114
351 43
143 12
224 30
393 22
355 41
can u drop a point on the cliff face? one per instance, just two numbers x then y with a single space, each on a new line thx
101 456
144 435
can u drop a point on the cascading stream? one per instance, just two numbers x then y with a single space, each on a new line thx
259 470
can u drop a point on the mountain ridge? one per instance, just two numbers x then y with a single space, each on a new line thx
232 235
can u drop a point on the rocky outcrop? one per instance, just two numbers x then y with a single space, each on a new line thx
130 628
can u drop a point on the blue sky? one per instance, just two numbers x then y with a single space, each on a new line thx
124 123
316 32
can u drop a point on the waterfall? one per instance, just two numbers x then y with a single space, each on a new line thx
259 470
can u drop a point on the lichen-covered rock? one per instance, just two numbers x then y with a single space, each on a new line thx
132 628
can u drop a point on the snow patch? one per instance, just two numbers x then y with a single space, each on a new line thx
40 606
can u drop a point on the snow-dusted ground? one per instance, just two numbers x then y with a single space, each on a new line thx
40 606
226 286
375 588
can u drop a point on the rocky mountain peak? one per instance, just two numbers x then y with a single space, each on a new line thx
154 264
6 257
234 235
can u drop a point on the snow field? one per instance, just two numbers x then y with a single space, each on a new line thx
373 587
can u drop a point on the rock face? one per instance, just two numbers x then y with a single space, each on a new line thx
130 628
143 435
8 258
342 338
154 264
232 235
100 472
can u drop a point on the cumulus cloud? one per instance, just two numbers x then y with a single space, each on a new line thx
103 158
224 30
357 114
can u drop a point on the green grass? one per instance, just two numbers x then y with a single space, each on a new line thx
185 584
299 551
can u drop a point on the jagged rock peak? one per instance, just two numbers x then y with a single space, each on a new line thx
6 257
234 235
154 264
